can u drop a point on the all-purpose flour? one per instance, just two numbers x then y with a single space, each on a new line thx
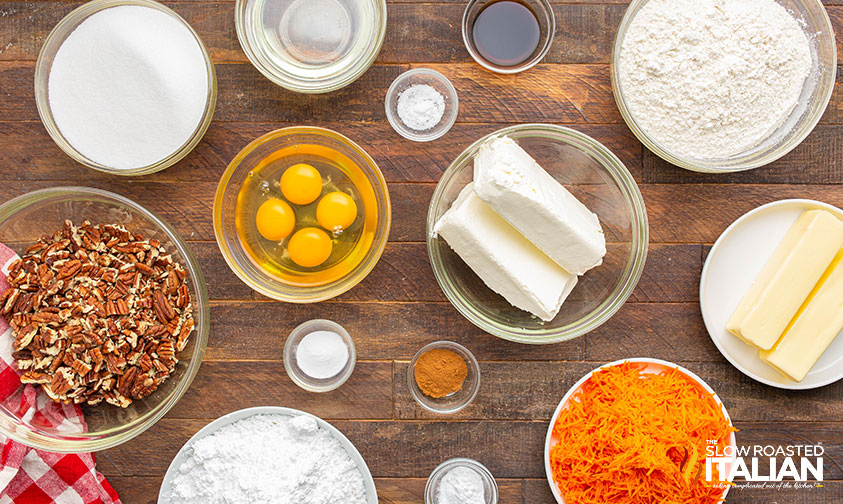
128 87
274 459
713 78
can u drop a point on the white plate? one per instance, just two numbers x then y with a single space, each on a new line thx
732 265
655 366
181 456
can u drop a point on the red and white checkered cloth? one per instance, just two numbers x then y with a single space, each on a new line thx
30 476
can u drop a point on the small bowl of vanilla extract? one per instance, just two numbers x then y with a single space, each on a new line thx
508 36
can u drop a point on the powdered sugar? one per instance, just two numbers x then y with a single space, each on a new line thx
269 458
713 78
461 485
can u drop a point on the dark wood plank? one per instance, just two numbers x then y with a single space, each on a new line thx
31 154
144 489
412 449
366 395
699 213
532 391
585 32
242 330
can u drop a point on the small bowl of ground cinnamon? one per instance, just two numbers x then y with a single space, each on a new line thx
444 377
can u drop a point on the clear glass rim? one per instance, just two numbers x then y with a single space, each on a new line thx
438 130
85 442
310 86
716 165
323 292
639 241
470 361
430 498
550 17
42 72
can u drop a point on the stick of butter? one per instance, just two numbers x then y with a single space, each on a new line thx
787 278
507 263
816 324
510 181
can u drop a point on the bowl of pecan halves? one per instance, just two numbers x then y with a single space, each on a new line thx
107 314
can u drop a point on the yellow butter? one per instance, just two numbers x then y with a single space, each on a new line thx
816 324
787 278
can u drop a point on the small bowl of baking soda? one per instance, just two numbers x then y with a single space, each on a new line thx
461 481
422 105
319 355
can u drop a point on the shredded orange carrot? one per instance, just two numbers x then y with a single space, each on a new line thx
635 437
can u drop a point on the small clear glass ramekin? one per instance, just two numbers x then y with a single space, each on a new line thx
431 78
812 104
26 218
42 75
601 181
308 78
547 29
456 401
490 486
298 375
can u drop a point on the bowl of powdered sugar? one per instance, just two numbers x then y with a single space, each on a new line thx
268 454
723 85
125 86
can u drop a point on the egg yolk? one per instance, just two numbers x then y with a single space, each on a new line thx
309 247
275 219
336 211
301 184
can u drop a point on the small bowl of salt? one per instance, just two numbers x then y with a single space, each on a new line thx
422 105
461 481
319 355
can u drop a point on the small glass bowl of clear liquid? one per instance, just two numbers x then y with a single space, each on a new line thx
311 46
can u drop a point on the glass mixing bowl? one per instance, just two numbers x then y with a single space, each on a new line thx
311 46
26 218
597 178
225 214
812 103
42 74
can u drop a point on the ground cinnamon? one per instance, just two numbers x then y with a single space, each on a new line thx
440 372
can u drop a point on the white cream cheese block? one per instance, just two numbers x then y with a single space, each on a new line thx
506 261
509 180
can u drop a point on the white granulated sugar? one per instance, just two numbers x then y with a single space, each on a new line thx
421 107
275 459
461 485
128 87
713 78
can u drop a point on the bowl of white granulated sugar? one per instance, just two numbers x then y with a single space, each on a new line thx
723 85
268 454
125 86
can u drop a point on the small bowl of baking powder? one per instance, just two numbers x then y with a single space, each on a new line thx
422 105
319 355
461 481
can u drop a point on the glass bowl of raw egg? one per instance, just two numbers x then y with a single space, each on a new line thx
302 214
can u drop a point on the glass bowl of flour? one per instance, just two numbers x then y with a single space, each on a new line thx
125 86
723 85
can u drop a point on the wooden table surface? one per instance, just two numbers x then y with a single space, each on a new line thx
400 307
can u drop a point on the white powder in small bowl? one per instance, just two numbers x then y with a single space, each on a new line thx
421 107
128 87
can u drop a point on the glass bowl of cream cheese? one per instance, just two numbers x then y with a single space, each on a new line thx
595 177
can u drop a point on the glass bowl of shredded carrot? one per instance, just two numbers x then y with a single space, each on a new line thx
638 431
